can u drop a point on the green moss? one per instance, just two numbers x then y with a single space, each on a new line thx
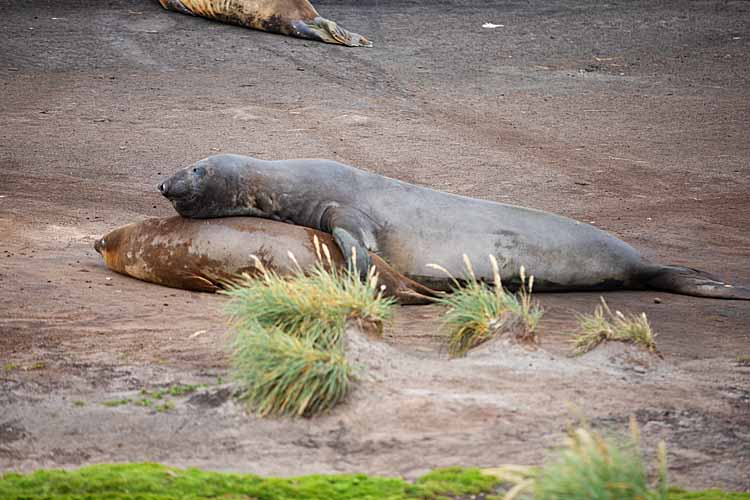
79 403
457 481
9 367
145 402
116 402
678 494
157 482
165 406
174 390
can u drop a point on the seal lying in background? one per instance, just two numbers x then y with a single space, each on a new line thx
411 227
287 17
204 255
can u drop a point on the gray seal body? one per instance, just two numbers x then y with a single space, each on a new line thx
411 226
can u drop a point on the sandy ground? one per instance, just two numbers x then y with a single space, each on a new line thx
632 116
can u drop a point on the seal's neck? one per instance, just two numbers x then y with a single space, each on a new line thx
289 191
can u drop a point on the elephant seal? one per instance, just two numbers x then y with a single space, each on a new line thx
411 227
205 255
287 17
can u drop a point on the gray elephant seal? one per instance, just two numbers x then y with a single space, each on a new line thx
411 227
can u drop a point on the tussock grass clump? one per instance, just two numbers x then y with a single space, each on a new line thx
604 325
285 375
313 306
602 468
288 350
478 312
589 466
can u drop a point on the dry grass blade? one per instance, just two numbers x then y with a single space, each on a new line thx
605 325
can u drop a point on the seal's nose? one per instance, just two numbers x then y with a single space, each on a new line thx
98 245
163 188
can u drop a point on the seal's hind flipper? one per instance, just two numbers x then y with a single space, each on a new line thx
687 281
198 283
325 30
405 290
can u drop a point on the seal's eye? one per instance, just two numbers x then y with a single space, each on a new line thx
103 242
199 171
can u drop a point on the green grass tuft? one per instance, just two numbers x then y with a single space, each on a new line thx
604 325
288 350
285 375
589 466
478 312
602 468
313 306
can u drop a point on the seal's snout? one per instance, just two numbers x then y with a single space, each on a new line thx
99 245
163 188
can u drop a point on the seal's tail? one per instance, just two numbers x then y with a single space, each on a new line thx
687 281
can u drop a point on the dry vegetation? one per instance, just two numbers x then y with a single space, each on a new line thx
604 325
590 466
478 312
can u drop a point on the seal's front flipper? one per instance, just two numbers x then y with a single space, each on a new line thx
325 30
356 255
687 281
351 228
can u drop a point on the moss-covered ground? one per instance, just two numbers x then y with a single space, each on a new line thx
157 482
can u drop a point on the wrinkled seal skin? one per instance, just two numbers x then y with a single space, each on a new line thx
204 255
411 227
288 17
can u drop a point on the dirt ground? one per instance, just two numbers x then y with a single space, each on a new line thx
633 116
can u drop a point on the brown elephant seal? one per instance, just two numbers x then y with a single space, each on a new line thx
205 255
287 17
411 227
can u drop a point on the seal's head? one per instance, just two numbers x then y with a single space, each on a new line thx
108 246
210 188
